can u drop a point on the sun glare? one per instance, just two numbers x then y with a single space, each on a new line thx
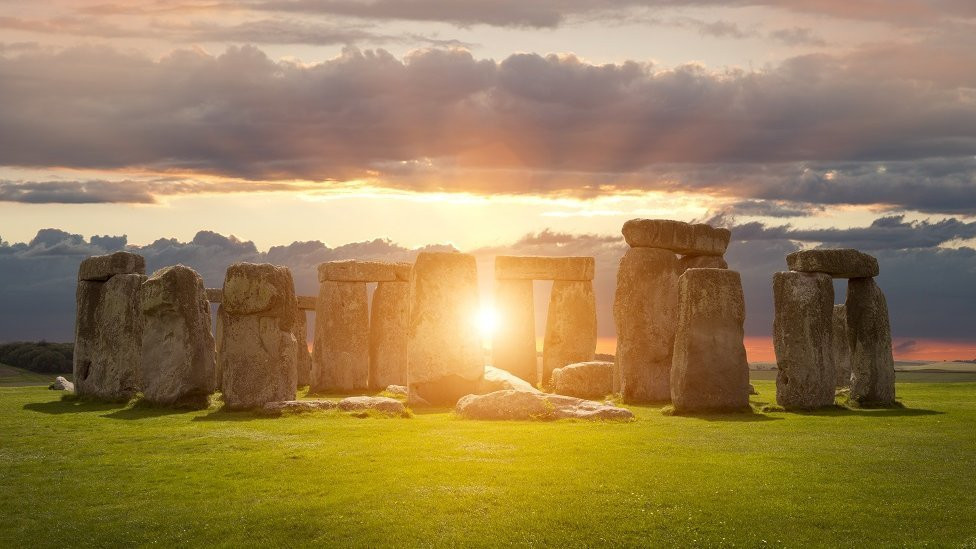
487 321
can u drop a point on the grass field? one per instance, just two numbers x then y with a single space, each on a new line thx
76 473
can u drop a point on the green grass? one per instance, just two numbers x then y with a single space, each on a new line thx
17 377
80 473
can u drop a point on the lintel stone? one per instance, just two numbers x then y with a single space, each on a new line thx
354 270
838 263
677 236
509 267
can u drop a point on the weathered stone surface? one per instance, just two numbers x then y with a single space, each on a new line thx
354 270
645 310
496 379
513 345
839 263
802 339
259 288
570 326
61 384
701 262
102 267
402 271
303 358
307 302
869 333
445 357
384 405
215 295
508 267
299 406
841 347
341 350
108 337
521 405
400 390
677 236
178 366
584 380
388 327
710 372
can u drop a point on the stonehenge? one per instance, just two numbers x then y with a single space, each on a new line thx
841 350
869 334
590 380
570 326
388 330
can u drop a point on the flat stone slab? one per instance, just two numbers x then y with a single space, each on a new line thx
677 236
354 270
510 267
523 405
584 379
306 302
496 379
838 263
384 405
102 267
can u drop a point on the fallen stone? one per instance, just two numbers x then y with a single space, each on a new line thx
841 347
61 384
383 405
354 270
513 345
103 267
752 389
677 236
570 326
299 406
396 390
589 380
388 326
521 405
839 263
341 350
496 379
701 262
509 267
869 333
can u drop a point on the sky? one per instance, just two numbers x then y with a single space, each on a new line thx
298 131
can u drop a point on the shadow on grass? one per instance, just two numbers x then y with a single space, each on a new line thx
742 416
873 412
142 410
70 404
224 414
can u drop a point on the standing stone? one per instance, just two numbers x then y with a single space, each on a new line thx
257 348
645 309
178 356
869 333
445 356
389 319
570 326
341 337
701 262
710 372
513 347
803 339
303 361
841 347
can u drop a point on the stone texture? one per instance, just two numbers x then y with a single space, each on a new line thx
354 404
384 405
402 271
841 347
400 390
521 405
710 372
570 326
802 339
341 350
103 267
445 356
178 366
509 267
869 333
108 337
496 379
645 311
215 295
354 270
840 263
61 384
307 302
677 236
299 406
701 262
388 326
303 358
256 349
513 345
584 380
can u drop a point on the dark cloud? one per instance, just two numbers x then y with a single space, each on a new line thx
798 36
125 191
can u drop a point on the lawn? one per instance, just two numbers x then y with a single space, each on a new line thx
74 473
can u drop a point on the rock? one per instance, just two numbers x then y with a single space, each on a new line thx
307 302
521 405
108 338
802 339
178 366
388 326
341 351
354 270
396 390
584 380
402 271
841 347
256 350
677 236
215 295
840 263
100 268
444 346
513 346
303 359
701 262
62 384
752 390
543 268
869 334
645 310
570 326
384 405
710 372
298 406
496 379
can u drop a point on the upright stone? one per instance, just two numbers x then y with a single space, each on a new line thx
645 310
802 339
389 319
341 351
570 326
513 348
445 357
701 262
869 333
303 361
710 372
841 347
178 366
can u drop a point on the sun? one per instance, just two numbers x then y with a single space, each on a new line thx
487 321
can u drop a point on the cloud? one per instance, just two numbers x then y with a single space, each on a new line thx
127 191
798 36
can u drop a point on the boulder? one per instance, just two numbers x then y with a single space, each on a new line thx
521 405
570 326
303 360
400 390
383 405
513 346
839 263
645 308
389 319
752 389
841 347
710 372
543 268
803 339
61 384
444 346
496 379
341 351
100 268
298 406
178 366
584 380
701 262
354 270
677 236
869 334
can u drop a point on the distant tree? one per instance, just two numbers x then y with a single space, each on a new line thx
42 357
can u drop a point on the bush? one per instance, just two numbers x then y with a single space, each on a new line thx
41 357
